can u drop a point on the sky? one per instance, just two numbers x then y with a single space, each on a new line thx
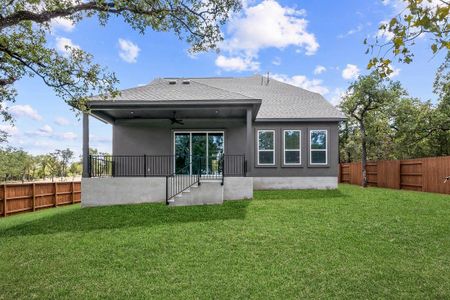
316 45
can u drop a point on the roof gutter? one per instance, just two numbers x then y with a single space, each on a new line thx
144 103
323 119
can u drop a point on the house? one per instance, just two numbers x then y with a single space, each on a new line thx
205 140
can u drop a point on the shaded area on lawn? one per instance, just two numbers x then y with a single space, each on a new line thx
299 194
123 216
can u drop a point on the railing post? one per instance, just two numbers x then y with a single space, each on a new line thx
245 167
222 167
113 167
167 190
199 174
145 165
89 166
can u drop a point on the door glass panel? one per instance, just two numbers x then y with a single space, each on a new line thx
215 151
199 153
182 145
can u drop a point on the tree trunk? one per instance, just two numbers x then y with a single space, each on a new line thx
363 154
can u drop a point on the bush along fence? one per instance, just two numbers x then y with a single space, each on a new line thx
15 198
423 174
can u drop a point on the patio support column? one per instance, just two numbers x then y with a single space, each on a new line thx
85 145
248 154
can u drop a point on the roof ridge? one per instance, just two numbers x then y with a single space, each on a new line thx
213 77
221 89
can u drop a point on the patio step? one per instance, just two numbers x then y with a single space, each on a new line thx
209 192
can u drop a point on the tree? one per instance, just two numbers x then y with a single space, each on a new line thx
15 164
442 116
419 17
75 169
25 26
412 123
53 166
366 99
63 157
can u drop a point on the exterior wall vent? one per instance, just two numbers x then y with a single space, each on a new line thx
186 81
172 82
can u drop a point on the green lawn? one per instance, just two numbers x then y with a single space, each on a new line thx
347 243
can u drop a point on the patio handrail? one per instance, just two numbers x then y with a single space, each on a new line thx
179 181
229 165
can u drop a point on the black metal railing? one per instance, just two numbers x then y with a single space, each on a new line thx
212 167
101 166
179 181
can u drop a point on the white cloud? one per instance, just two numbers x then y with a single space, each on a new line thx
351 31
267 25
336 96
395 71
276 61
319 70
64 45
313 85
61 121
63 24
68 136
9 129
400 5
128 51
350 72
45 130
238 64
24 111
383 33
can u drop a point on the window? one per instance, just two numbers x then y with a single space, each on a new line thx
318 147
266 147
292 147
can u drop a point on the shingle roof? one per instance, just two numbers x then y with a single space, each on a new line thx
161 90
279 100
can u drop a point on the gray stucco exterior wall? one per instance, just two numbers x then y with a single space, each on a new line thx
305 169
155 137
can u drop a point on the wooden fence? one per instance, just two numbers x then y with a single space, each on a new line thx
15 198
423 174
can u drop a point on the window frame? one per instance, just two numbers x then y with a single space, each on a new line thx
259 150
318 150
299 149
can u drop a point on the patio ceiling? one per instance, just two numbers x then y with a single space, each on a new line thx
109 111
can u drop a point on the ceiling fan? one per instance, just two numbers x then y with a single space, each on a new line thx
174 119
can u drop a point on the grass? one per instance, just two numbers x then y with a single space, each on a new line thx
347 243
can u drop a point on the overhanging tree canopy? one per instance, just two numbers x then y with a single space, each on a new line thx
25 25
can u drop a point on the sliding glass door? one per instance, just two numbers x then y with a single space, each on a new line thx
198 152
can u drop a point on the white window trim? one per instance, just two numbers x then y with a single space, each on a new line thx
273 150
299 149
323 150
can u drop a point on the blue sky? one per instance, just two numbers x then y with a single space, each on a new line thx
317 45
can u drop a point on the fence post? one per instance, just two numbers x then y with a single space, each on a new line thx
73 192
4 200
34 196
56 193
